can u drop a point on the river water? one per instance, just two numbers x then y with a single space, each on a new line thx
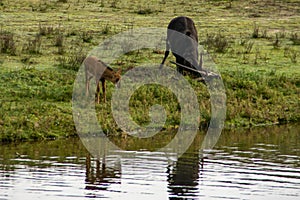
262 163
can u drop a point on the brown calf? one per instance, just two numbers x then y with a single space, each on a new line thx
98 69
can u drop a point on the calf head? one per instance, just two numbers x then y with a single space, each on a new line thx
116 77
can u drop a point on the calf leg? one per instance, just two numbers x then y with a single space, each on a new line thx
98 91
104 89
87 84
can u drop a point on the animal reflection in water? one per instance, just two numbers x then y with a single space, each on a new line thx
108 168
182 176
99 175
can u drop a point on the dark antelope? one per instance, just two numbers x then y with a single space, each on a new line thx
184 47
98 69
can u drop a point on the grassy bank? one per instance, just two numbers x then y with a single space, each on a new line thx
255 46
36 104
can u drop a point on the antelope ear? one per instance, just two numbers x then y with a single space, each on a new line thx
119 71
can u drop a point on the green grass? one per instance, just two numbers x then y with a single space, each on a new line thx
36 104
254 44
